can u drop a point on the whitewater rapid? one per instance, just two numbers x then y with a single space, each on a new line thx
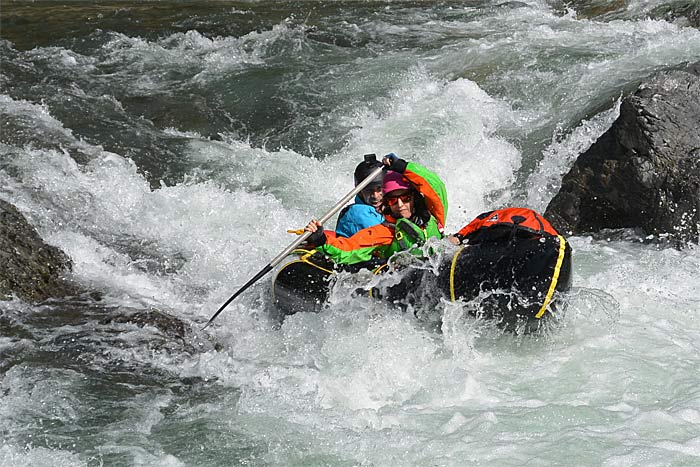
169 163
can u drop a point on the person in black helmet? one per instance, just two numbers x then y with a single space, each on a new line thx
365 212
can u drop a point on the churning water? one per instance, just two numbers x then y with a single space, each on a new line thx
166 148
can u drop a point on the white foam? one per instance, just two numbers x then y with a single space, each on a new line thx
18 456
557 159
362 383
451 128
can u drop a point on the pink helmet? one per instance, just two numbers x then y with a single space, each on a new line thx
394 181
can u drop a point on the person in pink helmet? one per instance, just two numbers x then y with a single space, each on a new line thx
414 207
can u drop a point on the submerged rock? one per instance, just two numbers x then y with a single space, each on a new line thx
171 333
31 269
34 272
644 172
687 11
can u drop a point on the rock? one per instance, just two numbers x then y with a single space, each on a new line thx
678 12
167 324
31 269
171 333
185 113
644 172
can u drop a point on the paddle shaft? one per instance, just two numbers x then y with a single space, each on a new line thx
277 259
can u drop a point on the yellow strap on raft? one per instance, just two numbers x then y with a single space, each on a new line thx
452 274
304 256
375 272
296 231
305 259
552 285
555 277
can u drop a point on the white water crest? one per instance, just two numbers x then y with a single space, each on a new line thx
168 164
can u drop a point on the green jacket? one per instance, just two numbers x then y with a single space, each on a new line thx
385 239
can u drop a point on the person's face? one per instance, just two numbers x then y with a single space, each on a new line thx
372 195
401 203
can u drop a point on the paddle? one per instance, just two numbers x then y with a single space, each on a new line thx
297 242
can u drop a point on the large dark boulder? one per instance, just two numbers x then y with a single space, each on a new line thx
31 269
644 172
35 272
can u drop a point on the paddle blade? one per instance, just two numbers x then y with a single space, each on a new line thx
252 281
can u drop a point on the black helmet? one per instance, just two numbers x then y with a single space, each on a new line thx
366 167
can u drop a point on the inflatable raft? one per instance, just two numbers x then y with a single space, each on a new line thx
513 268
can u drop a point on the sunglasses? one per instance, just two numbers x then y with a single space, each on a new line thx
405 198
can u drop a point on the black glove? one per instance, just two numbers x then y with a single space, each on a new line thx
317 238
393 162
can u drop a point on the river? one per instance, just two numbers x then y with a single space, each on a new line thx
166 147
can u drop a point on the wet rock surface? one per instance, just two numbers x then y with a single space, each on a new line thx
31 269
644 172
36 272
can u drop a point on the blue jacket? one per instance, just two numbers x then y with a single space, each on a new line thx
356 217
